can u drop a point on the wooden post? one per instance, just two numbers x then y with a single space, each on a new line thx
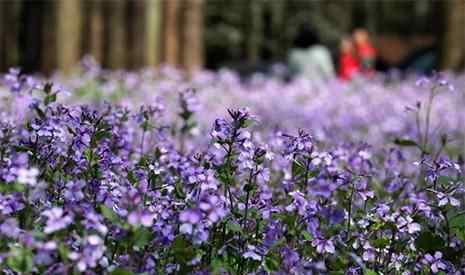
68 34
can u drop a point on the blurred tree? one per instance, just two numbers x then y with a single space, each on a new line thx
68 35
49 40
171 32
135 14
152 41
44 34
192 54
453 40
255 36
2 42
115 40
278 8
9 37
93 41
29 35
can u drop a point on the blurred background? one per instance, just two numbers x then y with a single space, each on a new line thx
245 35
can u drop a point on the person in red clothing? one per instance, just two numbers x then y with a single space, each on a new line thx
348 63
365 51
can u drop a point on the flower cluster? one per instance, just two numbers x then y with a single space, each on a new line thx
93 187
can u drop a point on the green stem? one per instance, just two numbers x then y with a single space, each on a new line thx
349 210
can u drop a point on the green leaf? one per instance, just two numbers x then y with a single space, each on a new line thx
381 243
249 187
39 111
306 235
405 142
50 98
21 260
179 190
101 134
132 178
456 220
141 237
109 214
271 264
121 271
48 87
457 224
233 227
63 250
445 180
370 272
429 242
409 143
12 187
182 250
19 148
246 123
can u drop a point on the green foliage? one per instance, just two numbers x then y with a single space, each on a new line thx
429 242
121 271
20 260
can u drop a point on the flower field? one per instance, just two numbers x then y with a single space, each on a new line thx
150 173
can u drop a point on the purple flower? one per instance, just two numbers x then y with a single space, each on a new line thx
290 257
56 220
252 254
141 217
445 199
324 246
435 262
28 176
407 224
73 190
190 216
10 228
92 250
299 203
212 206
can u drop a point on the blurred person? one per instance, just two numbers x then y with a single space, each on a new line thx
348 63
365 51
309 58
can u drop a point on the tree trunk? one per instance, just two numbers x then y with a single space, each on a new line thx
10 20
277 20
115 42
256 31
371 15
49 39
171 32
453 48
135 34
152 41
68 34
2 35
93 44
30 36
192 54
